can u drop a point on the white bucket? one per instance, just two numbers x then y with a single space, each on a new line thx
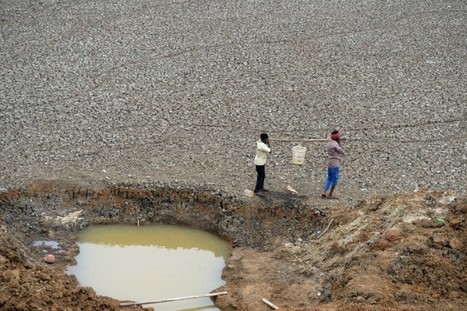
298 154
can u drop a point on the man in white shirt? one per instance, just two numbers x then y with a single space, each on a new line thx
262 150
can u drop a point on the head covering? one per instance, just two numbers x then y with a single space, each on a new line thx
264 136
335 135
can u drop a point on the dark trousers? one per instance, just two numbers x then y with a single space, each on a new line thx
260 169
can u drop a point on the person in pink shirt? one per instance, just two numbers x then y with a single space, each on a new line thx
335 152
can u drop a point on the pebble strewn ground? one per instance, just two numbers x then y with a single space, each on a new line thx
176 92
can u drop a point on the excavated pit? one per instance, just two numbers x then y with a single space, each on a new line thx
56 212
404 251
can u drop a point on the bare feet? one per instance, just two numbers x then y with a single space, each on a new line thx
332 197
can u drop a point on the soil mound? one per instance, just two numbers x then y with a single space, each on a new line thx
398 252
30 285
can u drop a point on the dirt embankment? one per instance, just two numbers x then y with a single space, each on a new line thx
400 252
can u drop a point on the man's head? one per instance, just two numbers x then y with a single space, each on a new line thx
335 135
264 138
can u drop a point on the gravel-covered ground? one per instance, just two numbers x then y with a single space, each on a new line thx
176 92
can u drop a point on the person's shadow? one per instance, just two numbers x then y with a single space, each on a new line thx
283 199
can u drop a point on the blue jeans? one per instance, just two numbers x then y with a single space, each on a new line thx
333 178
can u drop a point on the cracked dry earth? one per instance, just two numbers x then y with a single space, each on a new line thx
113 111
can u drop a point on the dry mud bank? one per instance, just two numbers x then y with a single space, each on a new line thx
397 252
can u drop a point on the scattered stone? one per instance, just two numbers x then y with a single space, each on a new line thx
3 298
392 235
43 276
440 239
248 193
456 244
430 223
446 199
359 299
72 217
12 275
381 245
3 260
49 258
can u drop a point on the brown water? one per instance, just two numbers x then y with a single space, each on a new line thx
150 263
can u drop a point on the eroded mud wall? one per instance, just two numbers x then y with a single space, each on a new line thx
42 207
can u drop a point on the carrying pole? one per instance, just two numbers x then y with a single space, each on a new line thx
298 139
129 304
270 304
311 140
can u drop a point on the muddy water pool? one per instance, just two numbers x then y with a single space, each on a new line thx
149 263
